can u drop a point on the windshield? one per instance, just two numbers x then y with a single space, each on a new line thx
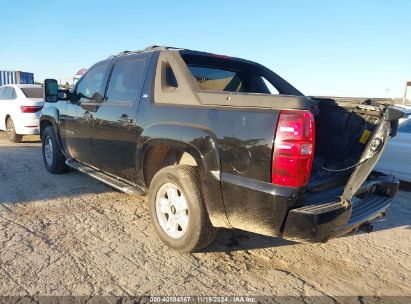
33 92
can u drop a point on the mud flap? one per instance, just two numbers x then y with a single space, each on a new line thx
372 153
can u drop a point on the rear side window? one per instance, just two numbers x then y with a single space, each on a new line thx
2 92
126 80
91 86
33 92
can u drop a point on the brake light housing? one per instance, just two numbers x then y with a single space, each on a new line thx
293 148
30 109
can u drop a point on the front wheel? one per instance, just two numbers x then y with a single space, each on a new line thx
177 209
11 131
53 158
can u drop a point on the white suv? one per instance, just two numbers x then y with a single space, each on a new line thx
20 109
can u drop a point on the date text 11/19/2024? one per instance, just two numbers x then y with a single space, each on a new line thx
202 299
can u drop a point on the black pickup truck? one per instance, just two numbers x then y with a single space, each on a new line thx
217 141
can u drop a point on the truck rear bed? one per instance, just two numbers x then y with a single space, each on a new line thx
343 193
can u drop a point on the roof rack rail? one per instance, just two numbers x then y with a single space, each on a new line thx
161 47
149 48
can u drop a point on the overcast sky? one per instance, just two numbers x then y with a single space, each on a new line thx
345 48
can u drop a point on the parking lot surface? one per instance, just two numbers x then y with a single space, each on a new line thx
71 235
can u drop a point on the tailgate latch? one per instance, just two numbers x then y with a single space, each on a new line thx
375 147
345 203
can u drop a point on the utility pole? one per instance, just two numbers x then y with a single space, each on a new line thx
407 84
386 92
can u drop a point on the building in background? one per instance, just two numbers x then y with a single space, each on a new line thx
71 80
16 77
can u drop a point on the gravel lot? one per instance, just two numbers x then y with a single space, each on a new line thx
71 235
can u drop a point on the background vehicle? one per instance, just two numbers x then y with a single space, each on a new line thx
397 154
20 109
213 146
16 77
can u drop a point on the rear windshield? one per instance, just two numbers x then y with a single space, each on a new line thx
33 92
215 79
225 75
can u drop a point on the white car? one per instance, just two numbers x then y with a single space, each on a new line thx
20 109
397 154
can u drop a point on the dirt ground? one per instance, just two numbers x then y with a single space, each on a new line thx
71 235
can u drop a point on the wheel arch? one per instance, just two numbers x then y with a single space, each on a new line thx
158 154
50 117
197 144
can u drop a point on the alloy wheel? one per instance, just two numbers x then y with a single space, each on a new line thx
48 151
172 210
10 129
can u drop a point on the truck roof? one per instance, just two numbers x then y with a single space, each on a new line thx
153 48
150 48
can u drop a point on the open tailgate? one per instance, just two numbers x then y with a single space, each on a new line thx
375 147
362 200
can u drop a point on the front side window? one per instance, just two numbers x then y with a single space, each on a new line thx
91 86
126 80
1 93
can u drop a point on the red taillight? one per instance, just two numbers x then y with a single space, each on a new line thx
293 148
30 109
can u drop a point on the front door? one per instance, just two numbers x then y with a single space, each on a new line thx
77 120
115 127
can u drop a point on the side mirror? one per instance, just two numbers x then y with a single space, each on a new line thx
50 90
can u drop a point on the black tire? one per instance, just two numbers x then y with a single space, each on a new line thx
200 232
11 131
55 162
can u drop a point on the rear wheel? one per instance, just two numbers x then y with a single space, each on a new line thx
53 158
11 131
177 209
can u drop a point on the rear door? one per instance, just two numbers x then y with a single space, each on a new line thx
115 126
